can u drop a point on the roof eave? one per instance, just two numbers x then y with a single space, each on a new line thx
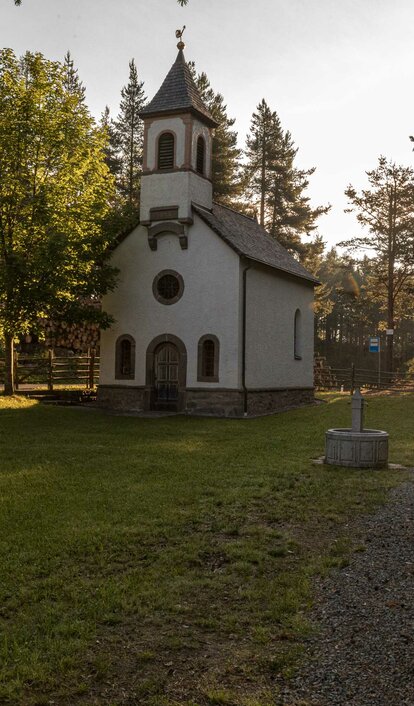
241 254
310 279
179 111
122 235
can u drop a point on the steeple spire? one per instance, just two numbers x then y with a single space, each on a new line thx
178 93
177 154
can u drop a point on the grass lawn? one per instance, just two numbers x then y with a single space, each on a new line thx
169 561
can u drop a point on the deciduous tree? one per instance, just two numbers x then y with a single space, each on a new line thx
55 190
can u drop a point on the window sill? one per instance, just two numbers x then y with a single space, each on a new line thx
203 378
298 357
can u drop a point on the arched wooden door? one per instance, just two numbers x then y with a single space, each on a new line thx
166 377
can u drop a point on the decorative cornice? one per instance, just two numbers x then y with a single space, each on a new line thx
167 227
150 172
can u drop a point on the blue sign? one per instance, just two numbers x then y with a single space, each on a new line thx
374 344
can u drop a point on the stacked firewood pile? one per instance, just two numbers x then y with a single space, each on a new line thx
323 375
77 337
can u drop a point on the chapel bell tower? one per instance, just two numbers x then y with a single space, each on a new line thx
177 152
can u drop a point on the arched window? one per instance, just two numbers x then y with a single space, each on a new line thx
297 335
166 151
201 155
208 359
125 358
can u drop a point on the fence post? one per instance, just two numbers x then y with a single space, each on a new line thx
16 370
352 378
91 376
50 371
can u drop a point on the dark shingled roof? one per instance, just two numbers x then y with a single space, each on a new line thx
249 239
179 94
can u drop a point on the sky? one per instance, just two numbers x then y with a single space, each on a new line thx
339 73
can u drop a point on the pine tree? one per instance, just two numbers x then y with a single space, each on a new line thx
128 138
112 159
276 184
262 145
313 259
72 82
386 211
226 155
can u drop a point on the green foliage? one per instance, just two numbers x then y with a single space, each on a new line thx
275 184
410 366
313 259
227 186
72 82
55 191
386 211
347 313
127 136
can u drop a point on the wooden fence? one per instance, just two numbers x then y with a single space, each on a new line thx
352 377
50 371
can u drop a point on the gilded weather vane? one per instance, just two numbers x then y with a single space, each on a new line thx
179 34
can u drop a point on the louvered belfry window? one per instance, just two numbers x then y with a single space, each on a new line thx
201 150
166 151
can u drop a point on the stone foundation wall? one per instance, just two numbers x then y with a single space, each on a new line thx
213 402
230 403
122 397
267 401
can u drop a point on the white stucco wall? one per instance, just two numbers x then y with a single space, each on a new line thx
210 303
174 189
272 300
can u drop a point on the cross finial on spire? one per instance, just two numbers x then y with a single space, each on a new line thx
179 34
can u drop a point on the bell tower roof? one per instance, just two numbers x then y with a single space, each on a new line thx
179 94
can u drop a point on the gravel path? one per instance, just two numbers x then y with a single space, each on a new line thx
363 653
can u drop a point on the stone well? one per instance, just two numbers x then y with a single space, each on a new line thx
357 447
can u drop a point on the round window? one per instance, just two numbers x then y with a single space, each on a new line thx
168 287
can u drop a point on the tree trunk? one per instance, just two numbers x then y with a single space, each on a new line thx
389 362
9 365
263 183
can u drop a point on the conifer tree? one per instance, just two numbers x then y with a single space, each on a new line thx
262 151
72 82
386 211
276 184
225 160
127 139
111 151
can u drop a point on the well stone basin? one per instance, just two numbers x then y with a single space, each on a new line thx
365 449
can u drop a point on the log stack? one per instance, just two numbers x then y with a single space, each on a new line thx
77 337
324 377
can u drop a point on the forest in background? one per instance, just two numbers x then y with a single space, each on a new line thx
367 284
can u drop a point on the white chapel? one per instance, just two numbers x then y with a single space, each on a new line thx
212 315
